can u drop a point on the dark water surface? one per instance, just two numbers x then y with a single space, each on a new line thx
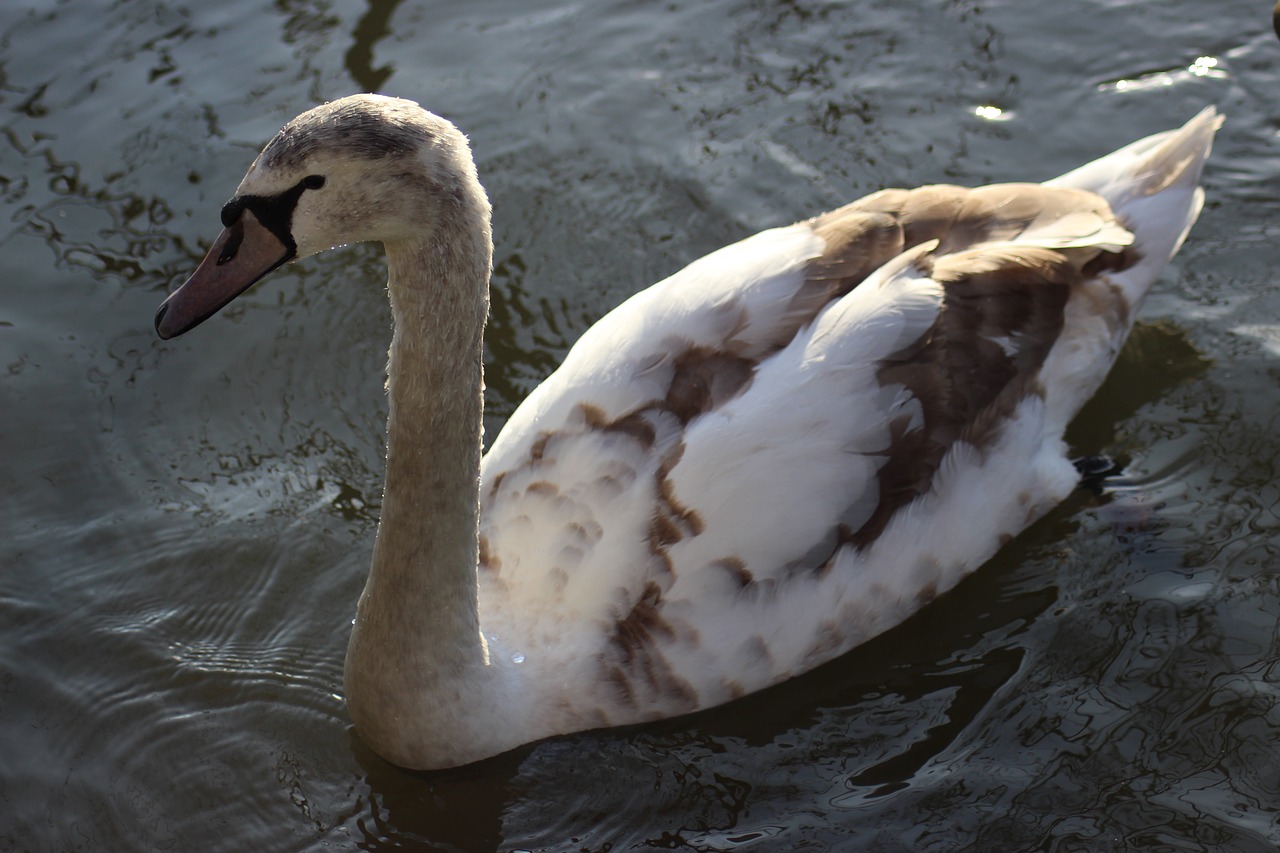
185 526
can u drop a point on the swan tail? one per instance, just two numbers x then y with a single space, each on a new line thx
1153 186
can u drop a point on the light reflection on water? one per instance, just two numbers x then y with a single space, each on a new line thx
186 525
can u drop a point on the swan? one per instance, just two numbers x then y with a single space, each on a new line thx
739 473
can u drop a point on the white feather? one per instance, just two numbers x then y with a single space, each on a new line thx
736 475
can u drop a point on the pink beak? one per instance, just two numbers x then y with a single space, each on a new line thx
242 254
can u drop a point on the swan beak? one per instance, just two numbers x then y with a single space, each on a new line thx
242 254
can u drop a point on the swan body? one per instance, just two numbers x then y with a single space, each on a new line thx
736 475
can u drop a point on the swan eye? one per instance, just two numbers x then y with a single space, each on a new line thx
313 182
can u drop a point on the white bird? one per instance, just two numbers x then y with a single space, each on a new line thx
739 473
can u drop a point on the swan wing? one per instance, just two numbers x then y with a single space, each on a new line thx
707 471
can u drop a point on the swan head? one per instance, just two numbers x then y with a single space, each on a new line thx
363 168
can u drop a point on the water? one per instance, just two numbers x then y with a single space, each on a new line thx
186 524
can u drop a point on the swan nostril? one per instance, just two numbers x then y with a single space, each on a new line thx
235 236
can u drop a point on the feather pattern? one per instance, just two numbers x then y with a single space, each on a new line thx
745 470
773 455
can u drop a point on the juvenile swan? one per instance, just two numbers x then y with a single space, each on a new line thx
738 474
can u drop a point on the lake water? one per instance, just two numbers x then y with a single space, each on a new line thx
185 526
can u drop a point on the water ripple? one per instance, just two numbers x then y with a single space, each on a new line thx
186 528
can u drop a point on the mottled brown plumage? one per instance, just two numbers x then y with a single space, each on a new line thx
741 472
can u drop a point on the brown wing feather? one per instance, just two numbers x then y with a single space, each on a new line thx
1002 309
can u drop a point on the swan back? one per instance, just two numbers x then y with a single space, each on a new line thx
797 441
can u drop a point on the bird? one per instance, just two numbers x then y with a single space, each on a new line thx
737 474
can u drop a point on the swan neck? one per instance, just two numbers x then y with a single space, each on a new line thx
427 543
416 640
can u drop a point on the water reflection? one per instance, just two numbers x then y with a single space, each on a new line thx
1134 384
59 206
455 811
372 27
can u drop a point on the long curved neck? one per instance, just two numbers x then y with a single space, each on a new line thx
425 554
416 636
